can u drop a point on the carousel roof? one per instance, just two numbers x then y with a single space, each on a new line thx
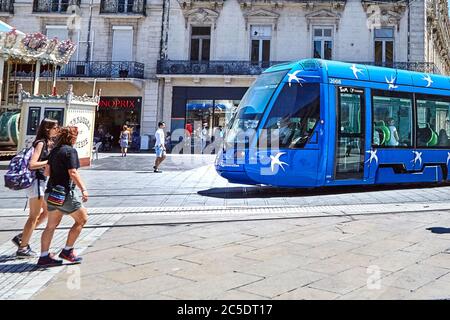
31 47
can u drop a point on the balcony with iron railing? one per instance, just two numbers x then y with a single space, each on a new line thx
127 7
54 6
213 67
7 6
92 69
179 67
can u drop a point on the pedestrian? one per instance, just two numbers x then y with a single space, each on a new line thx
61 197
168 142
124 140
204 136
43 142
160 148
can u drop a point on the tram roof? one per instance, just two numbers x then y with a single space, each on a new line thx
361 72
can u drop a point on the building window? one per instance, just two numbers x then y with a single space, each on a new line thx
392 119
200 43
384 46
122 49
124 6
433 126
323 43
260 46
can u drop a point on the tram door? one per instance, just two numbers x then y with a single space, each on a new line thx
350 130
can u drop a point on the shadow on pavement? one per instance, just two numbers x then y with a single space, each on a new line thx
439 230
19 268
273 192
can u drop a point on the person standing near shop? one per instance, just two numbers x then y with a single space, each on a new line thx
61 198
160 148
124 140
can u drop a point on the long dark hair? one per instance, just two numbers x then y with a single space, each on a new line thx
43 133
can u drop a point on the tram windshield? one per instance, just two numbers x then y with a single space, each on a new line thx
252 106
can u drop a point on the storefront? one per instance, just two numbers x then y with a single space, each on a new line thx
194 108
112 114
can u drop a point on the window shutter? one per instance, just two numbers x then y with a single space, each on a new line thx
122 45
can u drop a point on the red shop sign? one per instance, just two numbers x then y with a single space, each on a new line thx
120 103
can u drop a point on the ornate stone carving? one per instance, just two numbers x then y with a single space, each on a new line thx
260 11
438 26
323 16
381 14
201 12
260 16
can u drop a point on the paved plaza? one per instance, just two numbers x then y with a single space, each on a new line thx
189 234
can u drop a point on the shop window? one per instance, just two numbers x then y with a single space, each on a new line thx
293 116
55 114
433 126
392 119
34 117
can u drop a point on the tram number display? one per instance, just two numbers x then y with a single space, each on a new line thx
350 90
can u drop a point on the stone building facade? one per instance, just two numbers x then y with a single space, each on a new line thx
118 44
213 49
189 62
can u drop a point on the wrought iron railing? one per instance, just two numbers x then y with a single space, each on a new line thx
213 67
251 68
100 69
7 6
123 6
56 6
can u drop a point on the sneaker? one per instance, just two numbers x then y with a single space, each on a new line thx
26 253
17 240
48 261
157 171
70 256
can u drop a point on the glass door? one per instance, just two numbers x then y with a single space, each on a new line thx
349 157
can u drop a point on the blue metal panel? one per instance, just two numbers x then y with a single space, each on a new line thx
346 71
432 81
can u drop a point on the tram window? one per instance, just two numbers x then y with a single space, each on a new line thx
433 126
392 120
293 116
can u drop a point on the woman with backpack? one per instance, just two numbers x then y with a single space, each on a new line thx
61 197
42 144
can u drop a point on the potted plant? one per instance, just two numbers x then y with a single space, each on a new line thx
123 73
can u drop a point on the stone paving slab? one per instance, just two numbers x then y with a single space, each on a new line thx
285 269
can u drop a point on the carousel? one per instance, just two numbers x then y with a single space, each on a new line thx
29 65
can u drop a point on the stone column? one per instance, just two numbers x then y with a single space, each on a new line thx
36 78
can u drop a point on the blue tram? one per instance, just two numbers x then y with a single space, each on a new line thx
322 123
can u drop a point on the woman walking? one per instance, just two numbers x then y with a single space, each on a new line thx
61 198
47 130
124 140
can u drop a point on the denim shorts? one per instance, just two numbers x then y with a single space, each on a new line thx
71 204
34 190
160 151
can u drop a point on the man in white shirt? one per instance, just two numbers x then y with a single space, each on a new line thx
160 148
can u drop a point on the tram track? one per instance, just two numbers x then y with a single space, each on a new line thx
244 217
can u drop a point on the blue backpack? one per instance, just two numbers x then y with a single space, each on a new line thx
19 176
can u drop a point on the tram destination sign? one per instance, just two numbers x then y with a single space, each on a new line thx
129 103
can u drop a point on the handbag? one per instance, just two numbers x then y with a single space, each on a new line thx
57 196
